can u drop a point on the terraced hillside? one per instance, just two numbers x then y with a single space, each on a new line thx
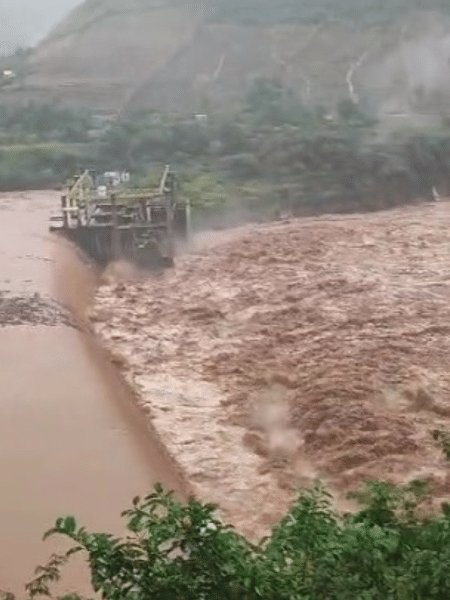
113 54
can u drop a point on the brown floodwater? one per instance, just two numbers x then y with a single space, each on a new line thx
72 441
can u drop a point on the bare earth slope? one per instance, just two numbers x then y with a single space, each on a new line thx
303 349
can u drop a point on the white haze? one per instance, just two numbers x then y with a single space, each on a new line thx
25 22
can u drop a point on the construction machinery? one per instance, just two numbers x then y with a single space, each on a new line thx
141 226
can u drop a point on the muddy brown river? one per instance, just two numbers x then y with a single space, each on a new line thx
71 439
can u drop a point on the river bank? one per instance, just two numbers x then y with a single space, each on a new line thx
72 440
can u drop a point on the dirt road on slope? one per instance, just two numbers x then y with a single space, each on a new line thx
286 352
71 439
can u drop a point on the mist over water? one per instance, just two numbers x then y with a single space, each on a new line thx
411 75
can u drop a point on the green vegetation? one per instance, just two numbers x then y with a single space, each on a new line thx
35 123
443 439
22 168
41 145
39 166
310 161
393 548
272 151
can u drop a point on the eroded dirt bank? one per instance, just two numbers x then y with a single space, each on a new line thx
286 352
72 440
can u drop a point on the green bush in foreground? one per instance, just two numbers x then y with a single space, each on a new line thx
392 548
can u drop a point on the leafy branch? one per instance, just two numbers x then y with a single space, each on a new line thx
391 548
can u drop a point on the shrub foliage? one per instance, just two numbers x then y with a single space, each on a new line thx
393 548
